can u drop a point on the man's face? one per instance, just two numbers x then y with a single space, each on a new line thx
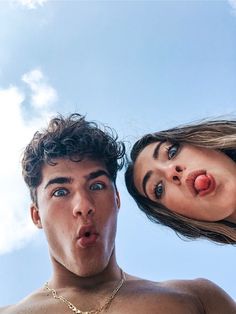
77 208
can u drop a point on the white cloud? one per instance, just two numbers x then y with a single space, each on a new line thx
43 94
232 4
31 4
16 229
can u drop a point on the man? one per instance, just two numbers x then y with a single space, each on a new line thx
70 169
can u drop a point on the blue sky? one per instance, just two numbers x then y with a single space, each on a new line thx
137 66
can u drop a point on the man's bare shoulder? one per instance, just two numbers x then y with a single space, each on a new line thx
195 296
25 306
144 296
3 310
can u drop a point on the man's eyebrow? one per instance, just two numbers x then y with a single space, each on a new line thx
98 173
90 176
145 180
59 180
156 150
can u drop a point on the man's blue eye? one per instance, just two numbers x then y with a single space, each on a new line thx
97 186
172 151
158 190
60 192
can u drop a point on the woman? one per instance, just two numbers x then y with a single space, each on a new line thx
185 178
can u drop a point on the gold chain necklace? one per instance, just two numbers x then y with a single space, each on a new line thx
74 309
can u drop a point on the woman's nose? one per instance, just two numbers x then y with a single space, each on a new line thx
174 173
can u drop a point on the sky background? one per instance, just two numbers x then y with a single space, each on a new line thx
137 66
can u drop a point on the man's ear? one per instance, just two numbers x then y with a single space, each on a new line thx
117 198
35 215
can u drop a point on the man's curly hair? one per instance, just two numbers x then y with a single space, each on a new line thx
74 138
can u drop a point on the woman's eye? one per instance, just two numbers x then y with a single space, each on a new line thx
60 192
158 190
97 186
172 151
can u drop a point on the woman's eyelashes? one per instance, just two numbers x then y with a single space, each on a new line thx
158 190
173 150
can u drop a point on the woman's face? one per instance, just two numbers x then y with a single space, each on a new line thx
195 182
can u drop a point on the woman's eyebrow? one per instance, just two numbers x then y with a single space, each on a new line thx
145 180
155 155
156 150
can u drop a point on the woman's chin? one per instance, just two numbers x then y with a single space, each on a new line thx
232 217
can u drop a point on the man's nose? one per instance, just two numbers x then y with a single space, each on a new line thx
83 206
174 173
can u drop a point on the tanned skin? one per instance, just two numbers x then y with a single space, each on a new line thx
77 194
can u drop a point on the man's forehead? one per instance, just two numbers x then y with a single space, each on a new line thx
74 168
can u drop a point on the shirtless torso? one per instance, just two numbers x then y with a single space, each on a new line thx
137 297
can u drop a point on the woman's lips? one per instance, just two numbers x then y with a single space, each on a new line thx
200 183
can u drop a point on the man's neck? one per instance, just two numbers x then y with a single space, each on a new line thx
64 278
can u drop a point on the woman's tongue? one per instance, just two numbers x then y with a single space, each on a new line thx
202 182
